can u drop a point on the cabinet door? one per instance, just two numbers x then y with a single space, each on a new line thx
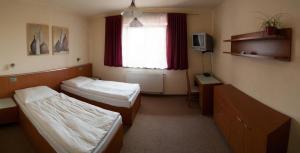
220 115
236 133
255 141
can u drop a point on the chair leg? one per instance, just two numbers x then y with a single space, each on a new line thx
189 99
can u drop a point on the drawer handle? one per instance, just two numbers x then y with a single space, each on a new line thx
246 126
239 119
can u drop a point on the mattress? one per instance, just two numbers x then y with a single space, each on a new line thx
100 98
99 147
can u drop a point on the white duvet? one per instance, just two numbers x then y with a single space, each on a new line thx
112 89
76 125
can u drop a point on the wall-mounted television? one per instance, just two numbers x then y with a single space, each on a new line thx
202 42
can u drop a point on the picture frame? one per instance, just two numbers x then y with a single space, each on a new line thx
60 40
37 39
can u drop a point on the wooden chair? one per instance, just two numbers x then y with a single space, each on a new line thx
190 89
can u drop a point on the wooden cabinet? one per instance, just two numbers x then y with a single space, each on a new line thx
248 125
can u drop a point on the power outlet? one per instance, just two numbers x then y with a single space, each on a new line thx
13 79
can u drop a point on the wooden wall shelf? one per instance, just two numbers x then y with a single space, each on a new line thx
261 45
258 56
263 37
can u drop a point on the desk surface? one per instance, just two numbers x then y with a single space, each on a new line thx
206 80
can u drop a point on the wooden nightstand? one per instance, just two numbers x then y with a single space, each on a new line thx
8 111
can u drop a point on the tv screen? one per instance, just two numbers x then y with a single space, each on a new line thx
196 41
199 41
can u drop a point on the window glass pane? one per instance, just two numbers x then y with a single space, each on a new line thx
144 47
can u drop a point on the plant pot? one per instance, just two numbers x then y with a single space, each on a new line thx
271 30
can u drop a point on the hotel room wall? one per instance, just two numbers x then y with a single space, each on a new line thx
15 14
175 83
274 83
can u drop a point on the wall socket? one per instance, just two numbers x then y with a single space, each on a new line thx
13 79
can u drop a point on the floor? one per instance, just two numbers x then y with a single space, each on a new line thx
13 140
164 124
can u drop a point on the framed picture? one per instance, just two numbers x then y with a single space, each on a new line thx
37 39
60 40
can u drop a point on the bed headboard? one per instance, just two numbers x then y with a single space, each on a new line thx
51 78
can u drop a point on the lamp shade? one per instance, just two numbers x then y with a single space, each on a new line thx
135 23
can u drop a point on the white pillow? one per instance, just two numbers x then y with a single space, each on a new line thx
78 81
29 95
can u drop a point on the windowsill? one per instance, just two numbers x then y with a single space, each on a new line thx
145 68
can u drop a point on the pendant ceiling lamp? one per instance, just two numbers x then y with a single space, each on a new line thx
133 12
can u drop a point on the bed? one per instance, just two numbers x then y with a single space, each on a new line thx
121 97
58 123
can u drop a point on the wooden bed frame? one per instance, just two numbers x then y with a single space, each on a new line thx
128 114
51 78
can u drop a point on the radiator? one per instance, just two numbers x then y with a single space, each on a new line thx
152 83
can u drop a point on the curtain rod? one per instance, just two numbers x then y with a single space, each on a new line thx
172 12
147 11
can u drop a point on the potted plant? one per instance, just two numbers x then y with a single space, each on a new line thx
271 24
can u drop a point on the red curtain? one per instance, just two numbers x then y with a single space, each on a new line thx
113 41
177 41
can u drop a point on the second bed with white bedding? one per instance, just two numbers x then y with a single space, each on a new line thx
113 93
70 125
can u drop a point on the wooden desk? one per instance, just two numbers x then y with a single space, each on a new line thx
206 85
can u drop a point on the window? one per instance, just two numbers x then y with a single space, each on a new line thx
145 47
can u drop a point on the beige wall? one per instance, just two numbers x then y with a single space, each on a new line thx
198 21
274 83
15 14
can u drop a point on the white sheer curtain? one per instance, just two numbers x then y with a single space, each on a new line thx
145 47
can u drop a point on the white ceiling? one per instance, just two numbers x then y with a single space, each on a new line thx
93 7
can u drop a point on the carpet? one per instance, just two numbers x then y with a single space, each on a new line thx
164 124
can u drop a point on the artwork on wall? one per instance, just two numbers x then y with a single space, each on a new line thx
37 39
60 40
